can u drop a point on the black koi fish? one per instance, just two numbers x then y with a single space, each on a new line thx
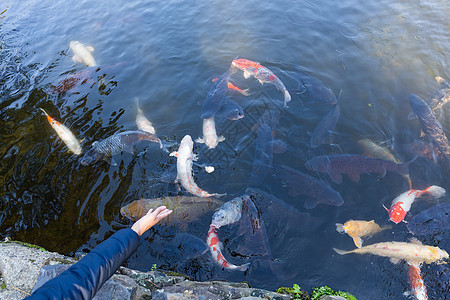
312 88
323 134
263 155
216 95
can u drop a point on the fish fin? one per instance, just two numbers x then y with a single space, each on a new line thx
287 96
174 153
310 203
340 228
43 111
194 157
435 191
415 241
412 116
354 177
386 227
94 143
200 140
77 59
243 267
385 208
395 260
358 241
219 195
342 252
439 79
247 74
422 134
245 92
336 177
221 139
90 48
372 221
111 161
261 82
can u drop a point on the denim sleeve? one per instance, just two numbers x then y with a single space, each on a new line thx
86 277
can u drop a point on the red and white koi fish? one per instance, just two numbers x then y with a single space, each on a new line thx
418 288
65 134
210 137
215 246
185 158
264 75
234 88
402 204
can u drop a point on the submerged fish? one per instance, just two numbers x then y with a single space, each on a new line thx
142 122
357 229
185 209
264 75
430 221
374 150
263 155
231 110
185 158
323 133
430 125
230 212
182 247
215 246
439 99
402 204
418 288
210 137
216 95
424 149
65 134
413 252
315 190
312 87
353 165
118 142
231 86
82 54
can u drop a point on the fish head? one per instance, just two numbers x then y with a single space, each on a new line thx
228 213
330 197
73 44
187 142
236 114
219 219
134 210
242 63
397 213
440 255
91 156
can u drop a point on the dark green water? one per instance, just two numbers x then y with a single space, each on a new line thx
166 53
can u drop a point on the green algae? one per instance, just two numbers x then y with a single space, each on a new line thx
297 293
26 245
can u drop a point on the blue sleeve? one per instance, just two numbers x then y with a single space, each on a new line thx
86 277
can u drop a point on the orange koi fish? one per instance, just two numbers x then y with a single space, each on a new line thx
231 86
215 246
402 204
65 134
419 289
264 75
357 229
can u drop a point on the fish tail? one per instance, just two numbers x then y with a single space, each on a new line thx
219 195
435 191
386 227
245 92
342 252
340 228
242 268
287 96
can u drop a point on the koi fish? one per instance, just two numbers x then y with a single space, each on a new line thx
323 133
232 110
264 75
430 125
185 158
118 142
413 252
418 288
353 165
210 137
229 213
263 155
439 99
82 54
215 246
315 190
424 149
231 86
216 95
142 122
65 134
374 150
312 87
402 204
357 229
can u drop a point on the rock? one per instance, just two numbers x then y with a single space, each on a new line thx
329 297
20 265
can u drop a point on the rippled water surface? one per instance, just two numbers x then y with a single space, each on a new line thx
373 53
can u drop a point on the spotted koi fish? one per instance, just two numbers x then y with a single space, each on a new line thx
185 158
215 246
402 204
231 86
264 75
65 134
418 288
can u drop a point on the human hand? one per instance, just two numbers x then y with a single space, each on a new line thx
150 219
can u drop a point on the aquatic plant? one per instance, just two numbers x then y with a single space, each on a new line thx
154 267
325 290
296 292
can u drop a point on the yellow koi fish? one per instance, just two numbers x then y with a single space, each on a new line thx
358 229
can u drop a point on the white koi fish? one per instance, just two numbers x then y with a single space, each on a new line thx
215 246
210 137
82 54
413 252
142 122
65 134
402 204
185 158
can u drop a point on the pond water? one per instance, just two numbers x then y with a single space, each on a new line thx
371 54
